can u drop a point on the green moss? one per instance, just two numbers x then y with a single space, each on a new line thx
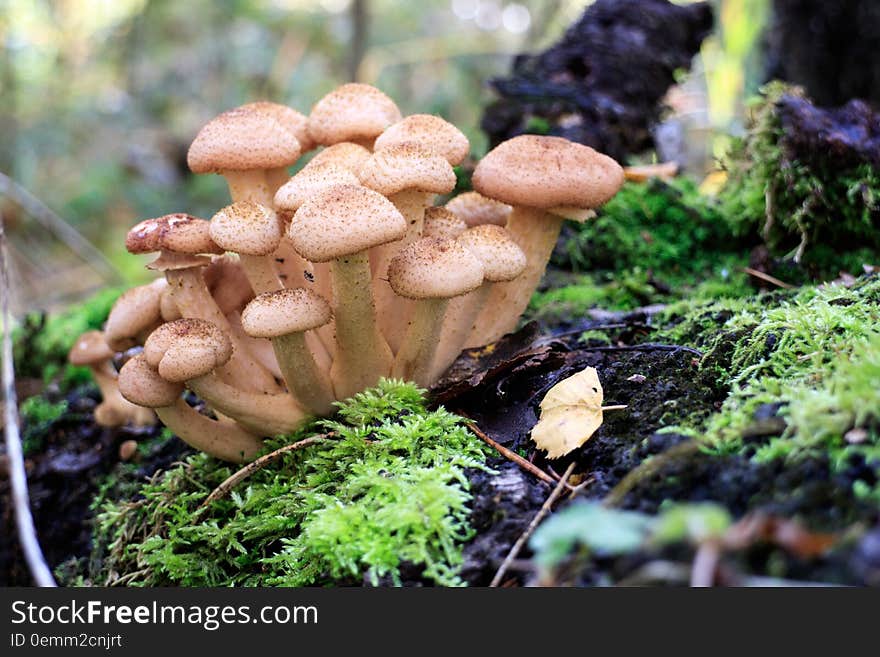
42 342
388 489
37 415
772 197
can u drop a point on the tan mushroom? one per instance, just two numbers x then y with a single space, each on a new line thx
345 154
134 315
545 179
253 232
432 132
295 123
340 225
355 113
284 317
432 271
440 222
91 350
140 384
475 209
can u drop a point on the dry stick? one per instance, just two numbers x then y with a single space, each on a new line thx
767 277
543 511
509 454
27 533
233 480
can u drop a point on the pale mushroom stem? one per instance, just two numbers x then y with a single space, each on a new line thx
261 272
195 301
114 409
275 178
260 349
224 441
323 285
249 186
392 310
460 319
305 379
268 415
535 231
413 361
362 355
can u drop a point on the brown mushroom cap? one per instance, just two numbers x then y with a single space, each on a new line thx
228 284
434 268
291 310
186 349
343 220
89 349
351 112
345 154
311 180
475 209
141 384
247 228
501 257
436 134
295 122
546 172
407 165
242 139
440 222
135 311
180 233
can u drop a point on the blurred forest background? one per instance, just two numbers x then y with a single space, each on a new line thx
99 99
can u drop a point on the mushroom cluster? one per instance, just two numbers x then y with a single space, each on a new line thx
308 289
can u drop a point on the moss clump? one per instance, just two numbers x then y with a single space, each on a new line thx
38 414
42 342
803 198
386 491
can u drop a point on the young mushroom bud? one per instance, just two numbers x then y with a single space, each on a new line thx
253 232
189 350
345 154
432 271
140 384
545 179
242 144
340 225
432 132
353 112
91 350
475 209
502 260
284 317
440 222
134 315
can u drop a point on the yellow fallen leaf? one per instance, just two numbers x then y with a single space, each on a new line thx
571 411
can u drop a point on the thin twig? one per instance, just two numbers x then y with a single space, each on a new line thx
615 407
236 478
27 533
768 278
507 453
543 511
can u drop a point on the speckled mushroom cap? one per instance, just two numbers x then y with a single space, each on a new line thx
434 268
309 181
291 310
343 220
547 172
407 165
180 233
247 228
345 154
351 112
431 131
289 118
89 349
242 139
501 257
187 349
141 384
440 222
475 209
136 310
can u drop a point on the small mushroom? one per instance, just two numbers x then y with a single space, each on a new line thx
545 179
475 209
91 350
253 232
189 350
291 120
140 384
340 225
432 271
345 154
355 113
284 317
432 132
134 315
440 222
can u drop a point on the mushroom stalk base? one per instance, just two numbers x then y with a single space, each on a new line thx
114 409
362 355
224 441
460 319
535 231
413 361
260 271
305 379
